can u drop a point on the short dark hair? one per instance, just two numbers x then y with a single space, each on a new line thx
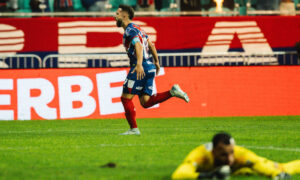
223 137
127 9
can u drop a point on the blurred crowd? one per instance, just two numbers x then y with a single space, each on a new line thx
288 6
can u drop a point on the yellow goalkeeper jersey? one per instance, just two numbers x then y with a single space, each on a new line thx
246 162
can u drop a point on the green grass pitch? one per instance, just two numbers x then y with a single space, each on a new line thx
78 149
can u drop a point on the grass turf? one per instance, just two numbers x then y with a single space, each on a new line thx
78 149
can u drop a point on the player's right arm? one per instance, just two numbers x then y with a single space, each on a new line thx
138 48
259 164
154 55
186 170
139 67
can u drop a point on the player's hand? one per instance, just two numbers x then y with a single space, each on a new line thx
282 176
222 173
140 73
157 67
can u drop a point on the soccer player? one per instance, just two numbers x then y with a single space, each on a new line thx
210 161
139 80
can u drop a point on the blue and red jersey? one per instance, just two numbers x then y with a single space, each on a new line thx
133 34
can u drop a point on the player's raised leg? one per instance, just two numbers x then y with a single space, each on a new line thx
148 101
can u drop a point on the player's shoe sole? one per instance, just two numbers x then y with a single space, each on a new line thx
132 132
177 92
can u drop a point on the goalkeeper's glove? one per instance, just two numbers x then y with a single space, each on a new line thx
282 176
222 173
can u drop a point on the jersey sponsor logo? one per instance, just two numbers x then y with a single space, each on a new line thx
248 32
73 36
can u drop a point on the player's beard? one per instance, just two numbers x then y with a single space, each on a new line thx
119 23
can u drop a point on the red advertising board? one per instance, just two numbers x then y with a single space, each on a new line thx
95 93
100 35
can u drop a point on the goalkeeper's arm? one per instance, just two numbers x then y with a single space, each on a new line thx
185 171
188 171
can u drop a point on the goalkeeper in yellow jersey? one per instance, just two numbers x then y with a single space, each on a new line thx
221 158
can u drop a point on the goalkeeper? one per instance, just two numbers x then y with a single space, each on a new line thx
219 159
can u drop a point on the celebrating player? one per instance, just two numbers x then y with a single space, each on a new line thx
222 157
140 78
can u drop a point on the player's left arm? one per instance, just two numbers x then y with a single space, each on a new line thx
154 55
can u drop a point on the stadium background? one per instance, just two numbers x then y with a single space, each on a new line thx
213 91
